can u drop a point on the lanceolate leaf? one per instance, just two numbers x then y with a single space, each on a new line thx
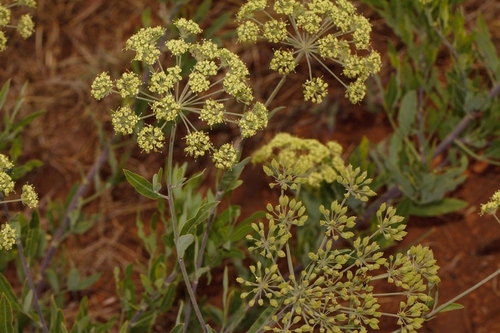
183 243
444 206
407 112
5 316
141 184
263 319
8 292
452 307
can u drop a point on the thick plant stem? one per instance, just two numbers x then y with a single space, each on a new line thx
27 272
173 216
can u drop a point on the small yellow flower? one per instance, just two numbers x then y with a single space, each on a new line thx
7 236
150 138
4 16
26 27
3 41
6 183
124 120
197 144
29 196
225 157
101 86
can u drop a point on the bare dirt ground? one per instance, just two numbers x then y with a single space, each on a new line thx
75 40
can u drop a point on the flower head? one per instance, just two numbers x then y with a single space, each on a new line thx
197 144
283 62
492 205
315 90
5 163
29 197
6 183
150 138
27 3
225 157
128 84
187 27
144 44
101 86
211 79
253 120
166 109
317 31
3 41
124 120
4 16
25 26
7 236
212 112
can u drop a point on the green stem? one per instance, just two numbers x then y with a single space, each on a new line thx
456 298
176 231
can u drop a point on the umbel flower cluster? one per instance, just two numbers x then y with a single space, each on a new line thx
335 291
25 26
313 161
28 198
202 81
319 31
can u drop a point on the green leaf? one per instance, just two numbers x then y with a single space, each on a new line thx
125 328
33 235
178 329
183 243
407 112
229 180
27 120
486 47
202 11
452 307
5 315
52 279
244 228
217 24
444 206
28 300
57 324
263 319
4 92
75 283
8 292
201 215
141 185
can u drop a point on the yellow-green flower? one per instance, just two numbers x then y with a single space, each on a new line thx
315 90
150 138
197 144
124 120
4 16
6 183
25 27
3 41
29 197
144 44
128 84
27 3
225 157
7 236
101 86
